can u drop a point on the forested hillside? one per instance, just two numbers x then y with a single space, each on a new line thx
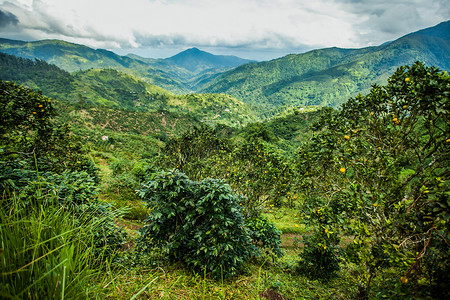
112 88
177 73
112 187
328 77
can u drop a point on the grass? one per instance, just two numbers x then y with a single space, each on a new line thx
46 253
285 219
153 277
172 281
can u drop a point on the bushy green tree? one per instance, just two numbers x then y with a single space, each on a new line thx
30 137
196 152
197 222
252 167
378 170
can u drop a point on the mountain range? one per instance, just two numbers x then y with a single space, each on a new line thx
325 77
328 77
110 88
177 73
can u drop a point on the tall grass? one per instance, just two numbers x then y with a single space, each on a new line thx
47 252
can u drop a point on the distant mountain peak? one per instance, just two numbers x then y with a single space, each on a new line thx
196 60
193 49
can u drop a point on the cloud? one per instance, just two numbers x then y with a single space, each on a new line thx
258 25
7 19
254 23
383 20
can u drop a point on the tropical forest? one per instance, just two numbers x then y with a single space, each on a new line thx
321 175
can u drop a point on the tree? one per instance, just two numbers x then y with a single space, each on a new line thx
197 222
378 170
31 139
252 167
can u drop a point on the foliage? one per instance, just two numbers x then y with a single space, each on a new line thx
54 238
320 257
252 167
74 191
265 235
53 230
120 186
29 135
262 173
194 152
378 170
70 188
109 88
36 74
45 254
198 222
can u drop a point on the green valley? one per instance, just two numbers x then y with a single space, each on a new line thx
321 175
325 77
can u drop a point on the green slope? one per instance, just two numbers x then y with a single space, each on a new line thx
37 74
73 57
331 76
115 89
178 73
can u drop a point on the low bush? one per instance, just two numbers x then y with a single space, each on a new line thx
265 235
320 256
201 224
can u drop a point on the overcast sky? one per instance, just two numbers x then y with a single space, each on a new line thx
255 29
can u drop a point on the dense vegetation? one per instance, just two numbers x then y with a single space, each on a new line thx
378 172
108 88
151 194
177 74
325 77
55 236
328 77
365 190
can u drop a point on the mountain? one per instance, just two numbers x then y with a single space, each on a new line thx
73 57
196 60
328 77
178 73
325 77
115 89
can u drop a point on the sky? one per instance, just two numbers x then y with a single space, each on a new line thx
252 29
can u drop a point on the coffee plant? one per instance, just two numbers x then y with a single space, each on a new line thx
201 224
252 168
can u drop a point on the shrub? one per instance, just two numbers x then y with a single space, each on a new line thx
265 235
197 222
320 256
70 188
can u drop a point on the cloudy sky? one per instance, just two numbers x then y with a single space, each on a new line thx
255 29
